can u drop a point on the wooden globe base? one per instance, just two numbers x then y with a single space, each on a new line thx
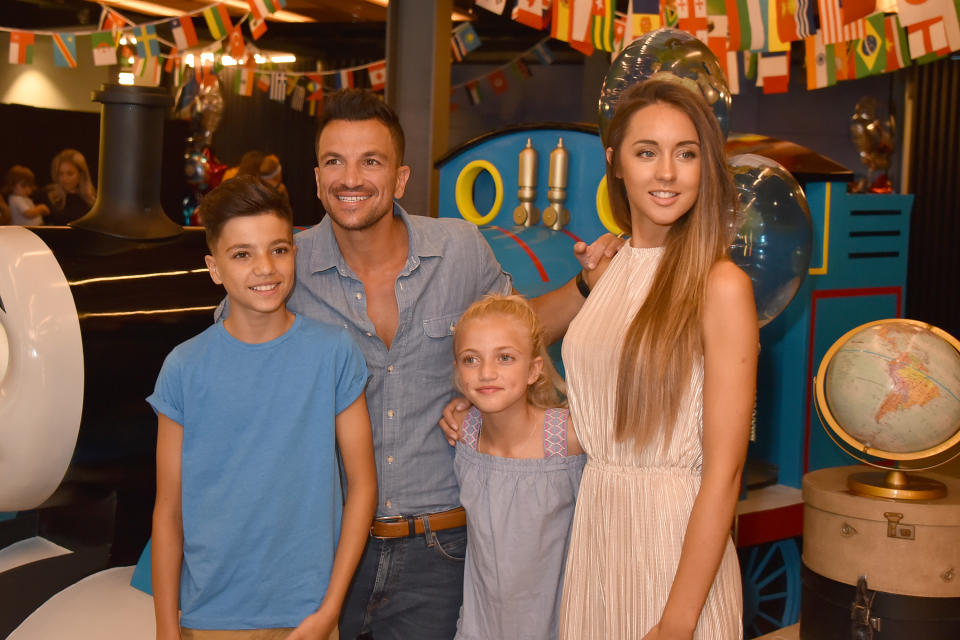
895 485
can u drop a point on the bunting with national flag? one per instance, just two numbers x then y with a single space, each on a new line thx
473 92
692 18
745 22
601 24
147 44
717 42
113 22
915 12
64 50
928 40
895 40
183 32
237 46
299 95
832 26
258 26
559 21
173 58
262 8
278 86
531 13
773 72
263 82
543 53
21 47
104 48
871 50
520 69
642 16
669 13
851 10
619 33
844 66
343 79
148 71
244 82
795 19
819 63
774 43
464 40
498 81
218 21
377 73
493 6
581 19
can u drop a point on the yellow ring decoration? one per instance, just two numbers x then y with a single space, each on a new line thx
464 192
604 210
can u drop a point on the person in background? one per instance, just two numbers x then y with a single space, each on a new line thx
249 165
18 185
271 172
71 194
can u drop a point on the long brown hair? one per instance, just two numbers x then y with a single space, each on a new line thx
549 389
665 336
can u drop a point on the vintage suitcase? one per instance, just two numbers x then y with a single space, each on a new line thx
876 568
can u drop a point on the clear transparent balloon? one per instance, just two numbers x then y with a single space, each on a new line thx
773 233
672 55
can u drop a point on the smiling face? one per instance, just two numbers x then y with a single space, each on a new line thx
253 258
659 163
495 362
68 175
358 172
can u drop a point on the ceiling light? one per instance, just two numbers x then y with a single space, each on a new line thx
228 61
125 78
284 57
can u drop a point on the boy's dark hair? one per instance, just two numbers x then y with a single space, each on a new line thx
361 104
17 174
243 195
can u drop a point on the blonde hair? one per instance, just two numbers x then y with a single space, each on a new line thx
665 336
85 188
548 390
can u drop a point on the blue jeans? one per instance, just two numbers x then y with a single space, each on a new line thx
407 588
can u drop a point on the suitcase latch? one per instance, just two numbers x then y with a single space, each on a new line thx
864 624
895 529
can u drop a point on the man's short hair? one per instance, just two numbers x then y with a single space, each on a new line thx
244 195
361 104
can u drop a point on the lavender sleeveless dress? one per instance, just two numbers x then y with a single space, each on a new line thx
519 513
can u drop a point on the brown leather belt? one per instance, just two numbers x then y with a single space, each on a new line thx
405 526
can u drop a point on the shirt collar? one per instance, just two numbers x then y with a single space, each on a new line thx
326 254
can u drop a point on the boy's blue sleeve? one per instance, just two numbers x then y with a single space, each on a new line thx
167 396
351 372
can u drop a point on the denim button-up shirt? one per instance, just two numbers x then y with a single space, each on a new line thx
449 266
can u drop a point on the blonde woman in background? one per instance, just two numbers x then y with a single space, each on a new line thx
71 194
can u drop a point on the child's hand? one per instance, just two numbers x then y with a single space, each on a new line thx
317 626
453 415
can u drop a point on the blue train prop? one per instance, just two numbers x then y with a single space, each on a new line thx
857 274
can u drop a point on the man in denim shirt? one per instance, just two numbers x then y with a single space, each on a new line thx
399 283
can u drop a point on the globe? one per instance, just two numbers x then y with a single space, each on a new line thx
667 54
889 394
773 235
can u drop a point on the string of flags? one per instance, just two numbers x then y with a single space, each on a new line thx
842 39
118 40
496 81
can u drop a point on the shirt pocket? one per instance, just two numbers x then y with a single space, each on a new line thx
435 355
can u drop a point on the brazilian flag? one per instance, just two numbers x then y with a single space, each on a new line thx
872 48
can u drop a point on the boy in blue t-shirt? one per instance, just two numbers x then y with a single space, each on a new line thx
250 530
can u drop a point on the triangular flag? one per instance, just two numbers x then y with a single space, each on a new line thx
104 48
21 47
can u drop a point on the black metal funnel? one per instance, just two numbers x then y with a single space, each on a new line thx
131 144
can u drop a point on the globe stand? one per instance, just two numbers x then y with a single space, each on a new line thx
895 485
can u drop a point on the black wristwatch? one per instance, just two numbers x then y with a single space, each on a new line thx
582 285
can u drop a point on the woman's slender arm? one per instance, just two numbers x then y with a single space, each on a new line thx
167 542
731 345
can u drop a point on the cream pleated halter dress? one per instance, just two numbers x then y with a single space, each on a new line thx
633 508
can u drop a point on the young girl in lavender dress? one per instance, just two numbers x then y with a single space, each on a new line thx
518 462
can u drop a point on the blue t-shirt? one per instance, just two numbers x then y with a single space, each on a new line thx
260 485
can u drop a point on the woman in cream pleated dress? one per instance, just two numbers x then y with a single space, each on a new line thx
661 370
